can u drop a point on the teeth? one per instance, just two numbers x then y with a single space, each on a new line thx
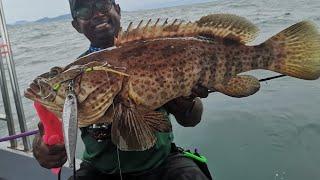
101 25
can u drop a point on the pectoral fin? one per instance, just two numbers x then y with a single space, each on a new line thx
157 121
239 86
135 131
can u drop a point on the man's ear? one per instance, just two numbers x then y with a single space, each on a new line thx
117 8
75 24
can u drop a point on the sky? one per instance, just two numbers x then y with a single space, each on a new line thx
30 10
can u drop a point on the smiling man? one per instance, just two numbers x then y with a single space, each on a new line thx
99 21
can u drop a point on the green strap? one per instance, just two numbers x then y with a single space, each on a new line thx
56 87
193 156
88 69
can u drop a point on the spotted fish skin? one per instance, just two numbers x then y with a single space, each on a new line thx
172 67
152 65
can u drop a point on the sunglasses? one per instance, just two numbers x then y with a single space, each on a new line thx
85 9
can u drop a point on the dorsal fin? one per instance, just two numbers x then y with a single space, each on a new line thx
228 26
215 25
157 30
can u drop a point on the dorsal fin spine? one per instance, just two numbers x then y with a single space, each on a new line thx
165 22
146 26
128 32
156 23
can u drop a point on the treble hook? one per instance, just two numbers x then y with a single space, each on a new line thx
71 86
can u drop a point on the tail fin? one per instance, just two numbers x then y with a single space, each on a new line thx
297 51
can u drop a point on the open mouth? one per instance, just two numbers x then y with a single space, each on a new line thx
30 94
37 90
34 90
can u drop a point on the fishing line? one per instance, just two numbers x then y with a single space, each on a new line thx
59 174
119 165
118 154
95 68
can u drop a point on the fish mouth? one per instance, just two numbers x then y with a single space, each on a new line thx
39 90
31 94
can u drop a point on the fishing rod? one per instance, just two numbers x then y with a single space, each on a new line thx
21 135
272 77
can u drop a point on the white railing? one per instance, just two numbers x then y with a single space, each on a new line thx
6 55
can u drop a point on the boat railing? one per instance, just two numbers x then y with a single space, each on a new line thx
6 58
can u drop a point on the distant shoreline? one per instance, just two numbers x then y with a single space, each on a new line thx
43 20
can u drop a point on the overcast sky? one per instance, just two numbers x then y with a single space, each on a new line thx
16 10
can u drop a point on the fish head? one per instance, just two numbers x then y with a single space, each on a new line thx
42 89
94 86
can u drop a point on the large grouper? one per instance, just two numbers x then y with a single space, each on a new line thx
152 64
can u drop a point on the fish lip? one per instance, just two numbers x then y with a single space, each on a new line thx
30 94
35 90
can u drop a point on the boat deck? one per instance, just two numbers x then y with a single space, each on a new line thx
16 165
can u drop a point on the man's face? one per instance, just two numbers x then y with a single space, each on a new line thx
98 21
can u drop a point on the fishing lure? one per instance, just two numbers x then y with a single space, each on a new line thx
70 124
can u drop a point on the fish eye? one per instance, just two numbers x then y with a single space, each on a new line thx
55 71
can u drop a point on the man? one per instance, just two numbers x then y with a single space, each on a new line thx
99 21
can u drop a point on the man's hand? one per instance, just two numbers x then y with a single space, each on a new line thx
188 110
200 91
48 156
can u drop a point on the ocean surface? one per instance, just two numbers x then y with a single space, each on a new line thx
271 135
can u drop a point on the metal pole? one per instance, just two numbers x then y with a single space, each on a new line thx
6 103
14 81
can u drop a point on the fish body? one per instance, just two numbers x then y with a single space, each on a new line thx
152 65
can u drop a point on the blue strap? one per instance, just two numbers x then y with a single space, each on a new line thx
94 49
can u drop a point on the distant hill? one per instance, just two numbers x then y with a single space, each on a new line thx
21 22
45 19
58 18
